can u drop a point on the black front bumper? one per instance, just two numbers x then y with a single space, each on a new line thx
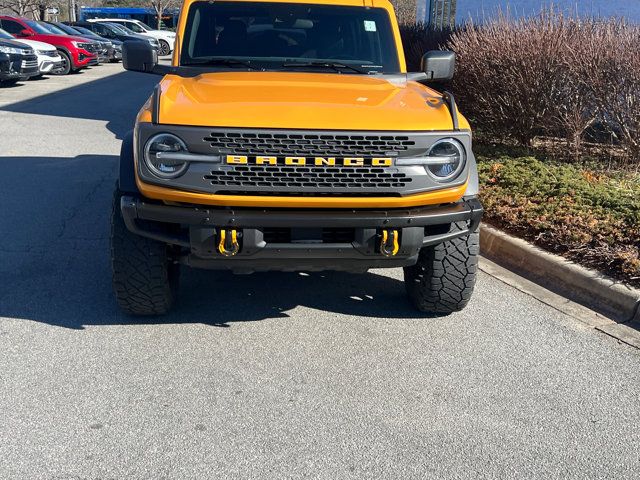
11 66
195 229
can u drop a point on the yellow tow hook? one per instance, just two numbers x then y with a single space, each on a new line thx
228 242
389 245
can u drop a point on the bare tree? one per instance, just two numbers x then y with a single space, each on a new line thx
21 8
160 6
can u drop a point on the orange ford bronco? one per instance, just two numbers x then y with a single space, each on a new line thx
288 135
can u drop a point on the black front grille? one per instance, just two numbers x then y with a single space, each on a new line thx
288 144
338 235
320 235
277 235
261 193
317 178
29 63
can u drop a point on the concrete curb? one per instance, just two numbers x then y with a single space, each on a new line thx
600 293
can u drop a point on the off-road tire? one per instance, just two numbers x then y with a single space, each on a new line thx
443 279
145 279
165 49
9 83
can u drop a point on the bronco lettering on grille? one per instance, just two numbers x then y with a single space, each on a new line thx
305 161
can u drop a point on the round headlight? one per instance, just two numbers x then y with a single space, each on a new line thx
448 159
165 167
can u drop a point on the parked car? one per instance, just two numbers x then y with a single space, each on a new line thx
113 31
166 39
75 51
104 48
17 62
49 60
115 46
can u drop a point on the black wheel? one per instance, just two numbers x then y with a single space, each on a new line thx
443 279
8 83
145 279
165 49
67 66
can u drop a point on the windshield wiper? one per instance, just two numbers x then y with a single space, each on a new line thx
338 67
221 61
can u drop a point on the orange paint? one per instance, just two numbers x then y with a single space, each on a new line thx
446 195
296 100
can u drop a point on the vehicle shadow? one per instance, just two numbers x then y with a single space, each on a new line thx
55 266
114 99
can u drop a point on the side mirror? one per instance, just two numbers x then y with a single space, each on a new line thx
25 33
438 65
139 56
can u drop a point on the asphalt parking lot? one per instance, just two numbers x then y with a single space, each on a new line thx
271 375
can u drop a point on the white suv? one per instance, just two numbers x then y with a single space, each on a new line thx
49 60
165 38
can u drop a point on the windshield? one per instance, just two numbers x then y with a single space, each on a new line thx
125 30
67 29
36 27
137 27
115 28
85 31
53 29
6 35
285 36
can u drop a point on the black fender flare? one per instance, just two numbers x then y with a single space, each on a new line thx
127 176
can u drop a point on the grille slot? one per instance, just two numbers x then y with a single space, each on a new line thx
277 235
299 179
288 144
326 235
338 235
30 63
260 193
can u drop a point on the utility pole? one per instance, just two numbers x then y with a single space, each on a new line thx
72 11
438 14
422 11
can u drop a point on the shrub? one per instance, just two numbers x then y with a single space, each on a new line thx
550 75
418 38
511 74
611 75
588 216
405 11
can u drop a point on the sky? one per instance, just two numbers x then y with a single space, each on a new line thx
477 9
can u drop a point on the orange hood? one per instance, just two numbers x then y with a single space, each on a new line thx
302 101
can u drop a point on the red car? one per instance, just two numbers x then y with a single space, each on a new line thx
76 52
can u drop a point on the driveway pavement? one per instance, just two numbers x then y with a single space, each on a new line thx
272 375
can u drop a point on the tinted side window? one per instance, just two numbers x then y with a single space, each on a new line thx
12 27
133 26
101 30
